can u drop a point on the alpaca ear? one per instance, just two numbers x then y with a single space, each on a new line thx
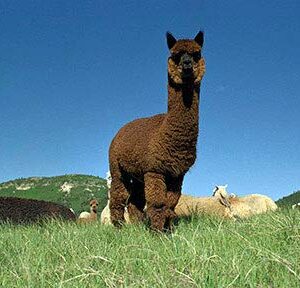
199 38
171 40
215 190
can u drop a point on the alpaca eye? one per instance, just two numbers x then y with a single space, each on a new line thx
176 58
196 56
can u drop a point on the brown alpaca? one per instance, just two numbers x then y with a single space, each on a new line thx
149 157
22 211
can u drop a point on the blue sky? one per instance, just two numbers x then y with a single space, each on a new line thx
73 72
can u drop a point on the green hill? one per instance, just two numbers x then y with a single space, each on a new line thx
73 191
289 200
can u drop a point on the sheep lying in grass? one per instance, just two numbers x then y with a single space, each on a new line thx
243 207
86 217
296 206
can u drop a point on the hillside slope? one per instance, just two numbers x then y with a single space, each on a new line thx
70 190
290 199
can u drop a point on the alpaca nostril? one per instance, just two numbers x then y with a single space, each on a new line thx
187 65
186 61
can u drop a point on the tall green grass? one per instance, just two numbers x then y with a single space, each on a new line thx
263 251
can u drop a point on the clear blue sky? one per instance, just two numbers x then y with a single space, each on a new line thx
73 72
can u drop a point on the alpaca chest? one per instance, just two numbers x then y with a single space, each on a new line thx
171 157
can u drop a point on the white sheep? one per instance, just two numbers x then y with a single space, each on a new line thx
86 217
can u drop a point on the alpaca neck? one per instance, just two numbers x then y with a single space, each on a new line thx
93 214
183 112
180 129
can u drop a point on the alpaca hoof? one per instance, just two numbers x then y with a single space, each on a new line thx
117 224
158 217
134 216
169 223
117 218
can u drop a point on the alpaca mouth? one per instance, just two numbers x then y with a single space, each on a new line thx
187 73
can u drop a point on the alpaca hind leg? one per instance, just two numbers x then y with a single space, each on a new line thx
155 194
118 199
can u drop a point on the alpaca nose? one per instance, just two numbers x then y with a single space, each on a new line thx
186 61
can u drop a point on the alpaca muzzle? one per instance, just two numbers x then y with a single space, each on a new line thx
187 66
186 62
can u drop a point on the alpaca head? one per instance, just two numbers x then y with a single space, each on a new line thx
94 205
220 190
185 64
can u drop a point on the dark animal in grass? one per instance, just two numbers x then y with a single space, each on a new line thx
149 157
21 211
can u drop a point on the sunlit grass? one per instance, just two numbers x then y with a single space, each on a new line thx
263 251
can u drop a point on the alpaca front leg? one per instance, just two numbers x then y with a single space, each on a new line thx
118 198
136 215
174 186
155 194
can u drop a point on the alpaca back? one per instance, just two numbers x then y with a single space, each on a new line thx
20 210
188 205
240 208
250 205
271 205
260 203
86 217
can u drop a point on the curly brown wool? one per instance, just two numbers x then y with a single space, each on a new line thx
21 211
149 157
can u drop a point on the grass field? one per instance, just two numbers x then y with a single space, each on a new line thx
263 251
